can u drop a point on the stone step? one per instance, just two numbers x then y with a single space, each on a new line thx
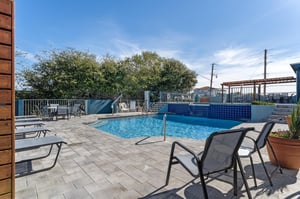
280 112
277 112
280 121
277 116
157 106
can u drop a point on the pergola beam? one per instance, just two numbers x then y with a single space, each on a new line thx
255 82
277 80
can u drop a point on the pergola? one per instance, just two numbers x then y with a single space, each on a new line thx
255 83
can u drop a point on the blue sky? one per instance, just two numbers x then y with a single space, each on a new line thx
231 33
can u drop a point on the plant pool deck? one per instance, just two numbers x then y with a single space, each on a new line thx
96 165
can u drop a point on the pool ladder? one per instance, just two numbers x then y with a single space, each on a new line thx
164 131
165 126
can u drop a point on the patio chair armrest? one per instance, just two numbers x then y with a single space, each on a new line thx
250 138
183 147
255 131
249 143
250 129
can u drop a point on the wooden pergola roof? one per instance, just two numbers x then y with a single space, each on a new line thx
257 82
278 80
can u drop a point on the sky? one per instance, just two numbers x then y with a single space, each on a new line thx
233 34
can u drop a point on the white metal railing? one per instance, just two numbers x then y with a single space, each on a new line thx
113 104
35 106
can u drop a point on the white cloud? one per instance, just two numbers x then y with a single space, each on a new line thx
236 56
124 48
26 55
167 53
24 60
234 64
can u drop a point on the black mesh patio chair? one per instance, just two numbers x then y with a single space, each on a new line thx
62 111
252 144
220 154
76 111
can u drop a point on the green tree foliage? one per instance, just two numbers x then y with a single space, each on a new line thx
65 74
175 76
74 74
114 74
148 71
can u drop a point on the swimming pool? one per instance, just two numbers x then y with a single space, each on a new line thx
176 126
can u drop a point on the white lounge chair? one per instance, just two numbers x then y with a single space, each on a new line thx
123 107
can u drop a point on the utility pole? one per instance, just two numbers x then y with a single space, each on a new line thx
265 70
211 78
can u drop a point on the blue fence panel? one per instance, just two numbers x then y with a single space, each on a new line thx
99 106
19 109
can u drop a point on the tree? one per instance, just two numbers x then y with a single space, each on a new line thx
64 74
73 74
114 74
149 71
175 76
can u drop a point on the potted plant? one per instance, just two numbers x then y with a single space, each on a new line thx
286 144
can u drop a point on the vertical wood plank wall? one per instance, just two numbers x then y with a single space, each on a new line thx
7 100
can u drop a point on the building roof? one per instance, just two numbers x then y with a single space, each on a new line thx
204 88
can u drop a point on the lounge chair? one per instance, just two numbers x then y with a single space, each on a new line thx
25 116
24 124
28 119
220 154
123 107
22 133
24 167
253 144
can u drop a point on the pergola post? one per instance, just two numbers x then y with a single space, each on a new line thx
254 92
296 68
222 93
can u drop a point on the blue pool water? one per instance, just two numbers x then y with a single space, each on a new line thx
176 126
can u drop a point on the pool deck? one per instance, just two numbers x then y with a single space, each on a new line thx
96 165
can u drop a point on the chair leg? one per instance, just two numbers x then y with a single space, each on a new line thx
170 163
169 171
234 178
243 177
264 166
203 183
253 172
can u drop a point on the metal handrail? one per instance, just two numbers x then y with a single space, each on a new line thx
165 126
114 102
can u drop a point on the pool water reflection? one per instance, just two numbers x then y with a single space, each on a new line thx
176 126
